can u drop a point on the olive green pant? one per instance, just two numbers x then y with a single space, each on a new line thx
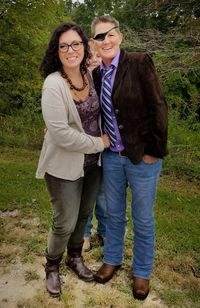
72 201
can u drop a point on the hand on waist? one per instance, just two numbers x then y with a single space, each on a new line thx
149 159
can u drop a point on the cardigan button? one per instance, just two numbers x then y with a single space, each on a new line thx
121 126
116 111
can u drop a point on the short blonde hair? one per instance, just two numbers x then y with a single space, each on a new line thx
104 19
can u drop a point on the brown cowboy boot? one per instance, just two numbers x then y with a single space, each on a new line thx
106 272
53 284
76 263
140 288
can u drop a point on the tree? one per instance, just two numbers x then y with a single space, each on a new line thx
163 15
23 40
83 13
179 15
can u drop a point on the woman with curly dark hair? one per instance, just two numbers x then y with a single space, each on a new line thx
69 160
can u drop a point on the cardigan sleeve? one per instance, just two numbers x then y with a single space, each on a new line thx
156 144
56 116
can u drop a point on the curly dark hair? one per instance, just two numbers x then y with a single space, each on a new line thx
51 61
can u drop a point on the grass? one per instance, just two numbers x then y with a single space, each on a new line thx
24 130
21 190
178 246
31 275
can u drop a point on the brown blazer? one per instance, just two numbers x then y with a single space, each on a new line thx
139 105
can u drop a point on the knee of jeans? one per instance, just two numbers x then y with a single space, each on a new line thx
143 215
145 226
116 219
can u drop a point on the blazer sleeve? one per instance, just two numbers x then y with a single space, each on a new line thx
60 132
156 143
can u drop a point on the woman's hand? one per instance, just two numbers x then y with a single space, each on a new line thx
149 159
106 141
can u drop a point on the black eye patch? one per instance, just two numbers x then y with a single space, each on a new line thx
101 36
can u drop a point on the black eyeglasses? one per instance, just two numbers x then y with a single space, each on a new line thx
102 36
75 45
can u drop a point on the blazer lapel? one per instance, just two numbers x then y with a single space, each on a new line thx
121 70
96 73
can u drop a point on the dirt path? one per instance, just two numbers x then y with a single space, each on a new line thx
14 285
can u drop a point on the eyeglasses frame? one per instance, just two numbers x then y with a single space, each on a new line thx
70 45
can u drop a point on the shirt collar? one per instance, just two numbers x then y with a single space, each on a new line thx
114 62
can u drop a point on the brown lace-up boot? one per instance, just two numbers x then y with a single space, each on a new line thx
53 284
76 263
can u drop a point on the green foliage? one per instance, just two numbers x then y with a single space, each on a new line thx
183 95
181 84
83 13
23 40
129 13
136 14
133 14
179 15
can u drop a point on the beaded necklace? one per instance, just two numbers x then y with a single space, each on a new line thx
72 86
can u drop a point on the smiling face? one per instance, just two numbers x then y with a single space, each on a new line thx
70 59
109 47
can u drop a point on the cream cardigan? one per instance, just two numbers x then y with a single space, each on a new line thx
65 142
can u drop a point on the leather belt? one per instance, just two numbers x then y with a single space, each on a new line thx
121 153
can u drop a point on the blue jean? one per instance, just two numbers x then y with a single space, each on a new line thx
100 214
142 179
